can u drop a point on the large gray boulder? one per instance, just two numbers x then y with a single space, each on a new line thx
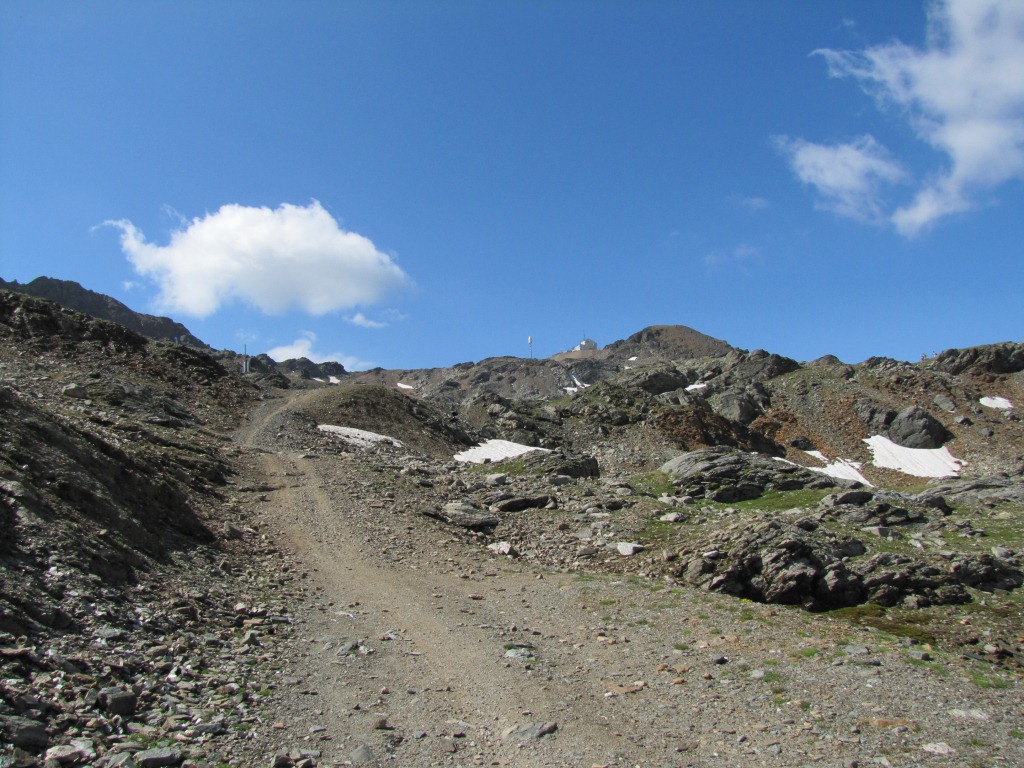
914 427
727 474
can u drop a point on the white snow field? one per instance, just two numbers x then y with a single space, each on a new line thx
696 387
360 438
996 402
920 462
400 385
495 450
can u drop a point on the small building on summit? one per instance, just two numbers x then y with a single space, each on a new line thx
586 345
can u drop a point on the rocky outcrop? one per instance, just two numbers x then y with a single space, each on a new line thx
1006 357
73 296
725 474
803 563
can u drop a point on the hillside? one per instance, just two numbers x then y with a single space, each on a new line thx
702 550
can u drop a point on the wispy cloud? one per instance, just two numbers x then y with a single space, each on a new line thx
274 259
847 177
364 322
752 202
740 259
303 347
962 93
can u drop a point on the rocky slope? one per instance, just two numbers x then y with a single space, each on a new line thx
72 295
194 573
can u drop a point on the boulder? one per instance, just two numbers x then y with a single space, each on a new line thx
727 474
914 427
462 514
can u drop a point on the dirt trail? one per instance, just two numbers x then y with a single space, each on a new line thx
433 635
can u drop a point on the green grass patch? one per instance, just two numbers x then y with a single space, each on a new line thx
806 653
777 501
912 624
987 680
654 483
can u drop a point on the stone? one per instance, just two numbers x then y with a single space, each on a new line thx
523 654
118 701
520 503
503 548
75 390
628 548
120 760
529 731
361 755
64 753
157 758
462 514
24 732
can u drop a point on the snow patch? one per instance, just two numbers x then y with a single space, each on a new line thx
841 469
920 462
696 387
579 385
333 380
495 450
400 385
996 402
360 438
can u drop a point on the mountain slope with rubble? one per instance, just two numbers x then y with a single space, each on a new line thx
204 568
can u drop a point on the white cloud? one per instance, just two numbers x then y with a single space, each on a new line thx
364 322
963 94
274 259
303 347
847 177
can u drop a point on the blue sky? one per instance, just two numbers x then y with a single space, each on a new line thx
414 184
